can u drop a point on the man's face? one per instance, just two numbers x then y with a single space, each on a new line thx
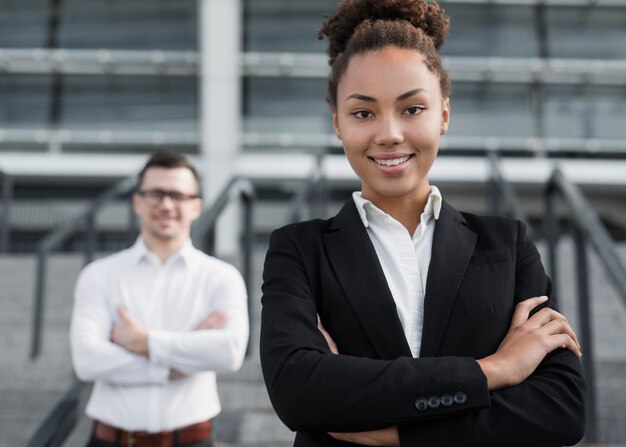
166 217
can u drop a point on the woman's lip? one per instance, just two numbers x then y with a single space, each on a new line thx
395 168
390 161
390 156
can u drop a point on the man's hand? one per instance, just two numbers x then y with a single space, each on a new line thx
130 334
385 437
527 343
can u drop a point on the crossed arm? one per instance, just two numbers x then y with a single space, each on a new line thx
119 349
129 334
529 340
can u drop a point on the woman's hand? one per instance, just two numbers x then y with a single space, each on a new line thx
329 340
527 343
384 437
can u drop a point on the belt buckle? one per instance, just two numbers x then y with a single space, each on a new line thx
131 439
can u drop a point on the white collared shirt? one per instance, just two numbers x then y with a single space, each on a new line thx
169 299
404 259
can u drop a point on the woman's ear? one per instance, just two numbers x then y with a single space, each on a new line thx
445 116
336 124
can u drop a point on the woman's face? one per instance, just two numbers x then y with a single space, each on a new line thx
390 115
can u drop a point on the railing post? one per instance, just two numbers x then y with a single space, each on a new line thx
247 198
40 279
551 236
132 221
248 238
5 219
90 237
321 192
209 239
492 193
584 317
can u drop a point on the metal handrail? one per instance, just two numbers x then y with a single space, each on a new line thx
301 198
585 226
8 183
501 196
203 229
57 238
60 421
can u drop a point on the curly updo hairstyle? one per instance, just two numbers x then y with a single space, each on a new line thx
360 26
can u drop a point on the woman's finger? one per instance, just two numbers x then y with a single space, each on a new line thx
560 326
524 308
329 340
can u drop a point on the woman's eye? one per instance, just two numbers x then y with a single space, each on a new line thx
362 114
414 110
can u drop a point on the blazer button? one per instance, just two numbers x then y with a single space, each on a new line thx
447 400
434 402
460 398
421 404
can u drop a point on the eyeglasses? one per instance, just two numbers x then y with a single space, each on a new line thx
155 196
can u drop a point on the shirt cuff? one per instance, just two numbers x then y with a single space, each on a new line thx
159 348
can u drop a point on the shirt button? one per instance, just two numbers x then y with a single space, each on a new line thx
447 400
434 402
421 404
460 398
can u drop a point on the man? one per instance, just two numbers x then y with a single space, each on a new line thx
152 324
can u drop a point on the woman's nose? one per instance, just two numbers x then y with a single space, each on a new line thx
389 133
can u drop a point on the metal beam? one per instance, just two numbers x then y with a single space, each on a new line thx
303 65
125 140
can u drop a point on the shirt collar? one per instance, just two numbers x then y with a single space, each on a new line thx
367 209
140 251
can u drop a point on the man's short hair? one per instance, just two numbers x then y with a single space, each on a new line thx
167 160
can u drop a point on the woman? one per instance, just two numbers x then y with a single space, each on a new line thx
437 326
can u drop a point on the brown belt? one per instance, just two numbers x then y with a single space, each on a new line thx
186 435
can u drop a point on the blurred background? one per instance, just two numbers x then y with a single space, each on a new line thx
90 88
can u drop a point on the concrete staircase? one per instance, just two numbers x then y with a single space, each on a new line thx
28 390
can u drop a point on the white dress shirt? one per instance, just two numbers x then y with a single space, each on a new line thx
169 299
404 259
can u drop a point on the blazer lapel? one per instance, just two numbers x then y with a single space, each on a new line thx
453 245
354 261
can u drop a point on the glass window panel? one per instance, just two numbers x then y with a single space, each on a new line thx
24 100
285 25
484 110
23 23
129 24
286 105
589 32
490 30
129 102
586 112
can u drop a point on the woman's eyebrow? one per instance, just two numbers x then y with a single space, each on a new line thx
361 97
402 97
410 93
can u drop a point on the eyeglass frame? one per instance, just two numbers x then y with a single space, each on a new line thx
158 195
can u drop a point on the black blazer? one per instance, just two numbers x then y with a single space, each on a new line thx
480 268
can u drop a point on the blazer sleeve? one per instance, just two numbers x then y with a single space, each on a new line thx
547 409
313 389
